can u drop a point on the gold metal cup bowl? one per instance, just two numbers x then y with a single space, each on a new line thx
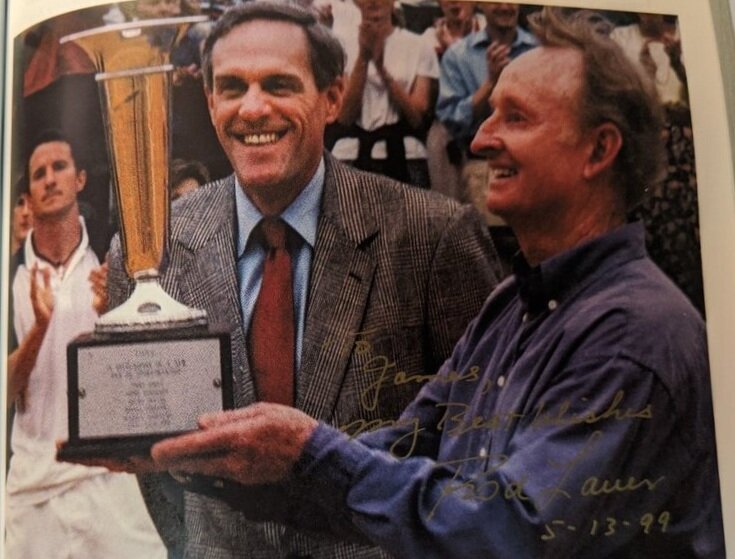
134 74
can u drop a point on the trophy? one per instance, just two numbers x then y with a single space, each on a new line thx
152 365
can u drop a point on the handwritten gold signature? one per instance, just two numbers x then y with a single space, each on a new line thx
491 482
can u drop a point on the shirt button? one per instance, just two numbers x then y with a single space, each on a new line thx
501 381
552 305
483 452
525 317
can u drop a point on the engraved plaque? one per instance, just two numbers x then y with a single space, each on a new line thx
127 392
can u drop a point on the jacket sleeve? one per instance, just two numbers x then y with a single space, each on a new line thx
464 270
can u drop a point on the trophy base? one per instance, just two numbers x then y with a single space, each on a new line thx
149 308
128 391
113 448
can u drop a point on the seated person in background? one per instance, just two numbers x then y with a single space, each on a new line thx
574 417
444 154
22 220
186 176
654 45
192 134
391 87
335 14
47 59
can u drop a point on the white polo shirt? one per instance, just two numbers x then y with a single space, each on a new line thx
407 56
34 474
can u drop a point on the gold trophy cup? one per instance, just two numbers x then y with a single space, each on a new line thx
152 365
133 72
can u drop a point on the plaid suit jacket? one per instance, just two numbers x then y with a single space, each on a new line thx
397 274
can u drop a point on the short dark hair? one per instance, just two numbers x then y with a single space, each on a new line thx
613 90
46 136
20 189
326 55
182 169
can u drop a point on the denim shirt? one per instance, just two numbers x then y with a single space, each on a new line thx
574 419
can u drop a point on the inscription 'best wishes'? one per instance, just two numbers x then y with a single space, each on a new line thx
476 478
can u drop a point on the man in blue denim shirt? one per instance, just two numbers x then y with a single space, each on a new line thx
574 417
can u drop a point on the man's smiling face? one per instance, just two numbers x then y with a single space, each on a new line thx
500 15
267 110
535 148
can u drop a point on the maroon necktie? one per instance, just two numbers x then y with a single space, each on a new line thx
272 326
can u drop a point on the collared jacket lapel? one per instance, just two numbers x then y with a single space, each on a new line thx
341 278
202 270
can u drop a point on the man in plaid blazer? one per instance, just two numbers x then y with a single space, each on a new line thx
396 273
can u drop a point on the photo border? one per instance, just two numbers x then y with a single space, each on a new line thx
707 35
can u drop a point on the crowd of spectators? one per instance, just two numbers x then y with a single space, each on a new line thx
419 76
473 42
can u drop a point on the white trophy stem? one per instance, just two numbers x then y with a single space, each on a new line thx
149 308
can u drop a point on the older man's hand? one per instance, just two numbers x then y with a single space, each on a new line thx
254 445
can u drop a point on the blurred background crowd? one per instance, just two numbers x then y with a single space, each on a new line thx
419 78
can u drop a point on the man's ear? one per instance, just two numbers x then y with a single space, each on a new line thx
335 94
606 143
81 180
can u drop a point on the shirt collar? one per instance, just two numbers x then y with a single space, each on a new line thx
31 259
552 281
302 214
523 37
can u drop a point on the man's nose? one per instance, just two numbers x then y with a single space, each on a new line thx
486 141
254 104
49 178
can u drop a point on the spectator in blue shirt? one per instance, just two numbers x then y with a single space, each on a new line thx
574 417
470 68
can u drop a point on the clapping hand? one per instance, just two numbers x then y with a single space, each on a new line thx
371 39
98 280
498 57
42 295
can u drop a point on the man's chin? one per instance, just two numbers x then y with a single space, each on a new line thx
498 206
507 24
53 211
256 182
